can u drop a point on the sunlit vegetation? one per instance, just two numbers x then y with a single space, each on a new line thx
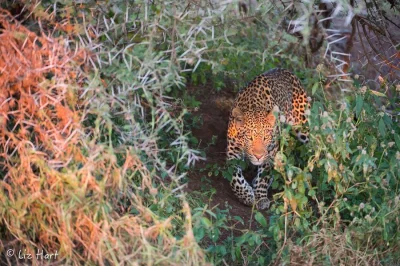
97 143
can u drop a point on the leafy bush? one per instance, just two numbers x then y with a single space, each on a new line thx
343 199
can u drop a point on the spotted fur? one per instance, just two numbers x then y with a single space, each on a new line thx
252 128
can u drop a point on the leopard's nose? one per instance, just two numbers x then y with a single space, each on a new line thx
258 156
258 149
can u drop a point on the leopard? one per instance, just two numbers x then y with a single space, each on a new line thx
274 96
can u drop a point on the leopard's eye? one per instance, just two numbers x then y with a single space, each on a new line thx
267 135
238 122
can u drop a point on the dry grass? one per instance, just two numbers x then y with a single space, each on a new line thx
59 185
332 247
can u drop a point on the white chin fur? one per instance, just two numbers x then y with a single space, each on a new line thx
255 162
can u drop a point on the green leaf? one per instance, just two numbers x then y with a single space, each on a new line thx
297 223
301 187
288 194
314 88
206 222
289 38
222 250
294 184
377 93
227 175
238 218
250 242
387 120
199 234
382 127
261 219
359 104
231 31
397 140
238 252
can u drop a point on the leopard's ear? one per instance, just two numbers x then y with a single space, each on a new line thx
238 116
271 118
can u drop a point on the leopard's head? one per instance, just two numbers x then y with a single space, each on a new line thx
255 130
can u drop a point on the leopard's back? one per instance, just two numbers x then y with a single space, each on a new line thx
277 87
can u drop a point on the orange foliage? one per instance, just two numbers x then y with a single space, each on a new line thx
39 125
35 103
57 182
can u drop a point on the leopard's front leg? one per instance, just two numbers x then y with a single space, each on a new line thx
261 186
241 188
